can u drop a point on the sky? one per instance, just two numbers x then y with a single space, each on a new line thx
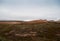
29 9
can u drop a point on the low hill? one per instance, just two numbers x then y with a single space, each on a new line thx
11 22
23 22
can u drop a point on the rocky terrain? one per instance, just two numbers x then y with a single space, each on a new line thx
35 30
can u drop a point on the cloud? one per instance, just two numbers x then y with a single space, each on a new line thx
29 9
30 13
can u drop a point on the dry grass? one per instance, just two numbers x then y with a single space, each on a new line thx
46 31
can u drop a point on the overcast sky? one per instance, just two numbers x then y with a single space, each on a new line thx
29 9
